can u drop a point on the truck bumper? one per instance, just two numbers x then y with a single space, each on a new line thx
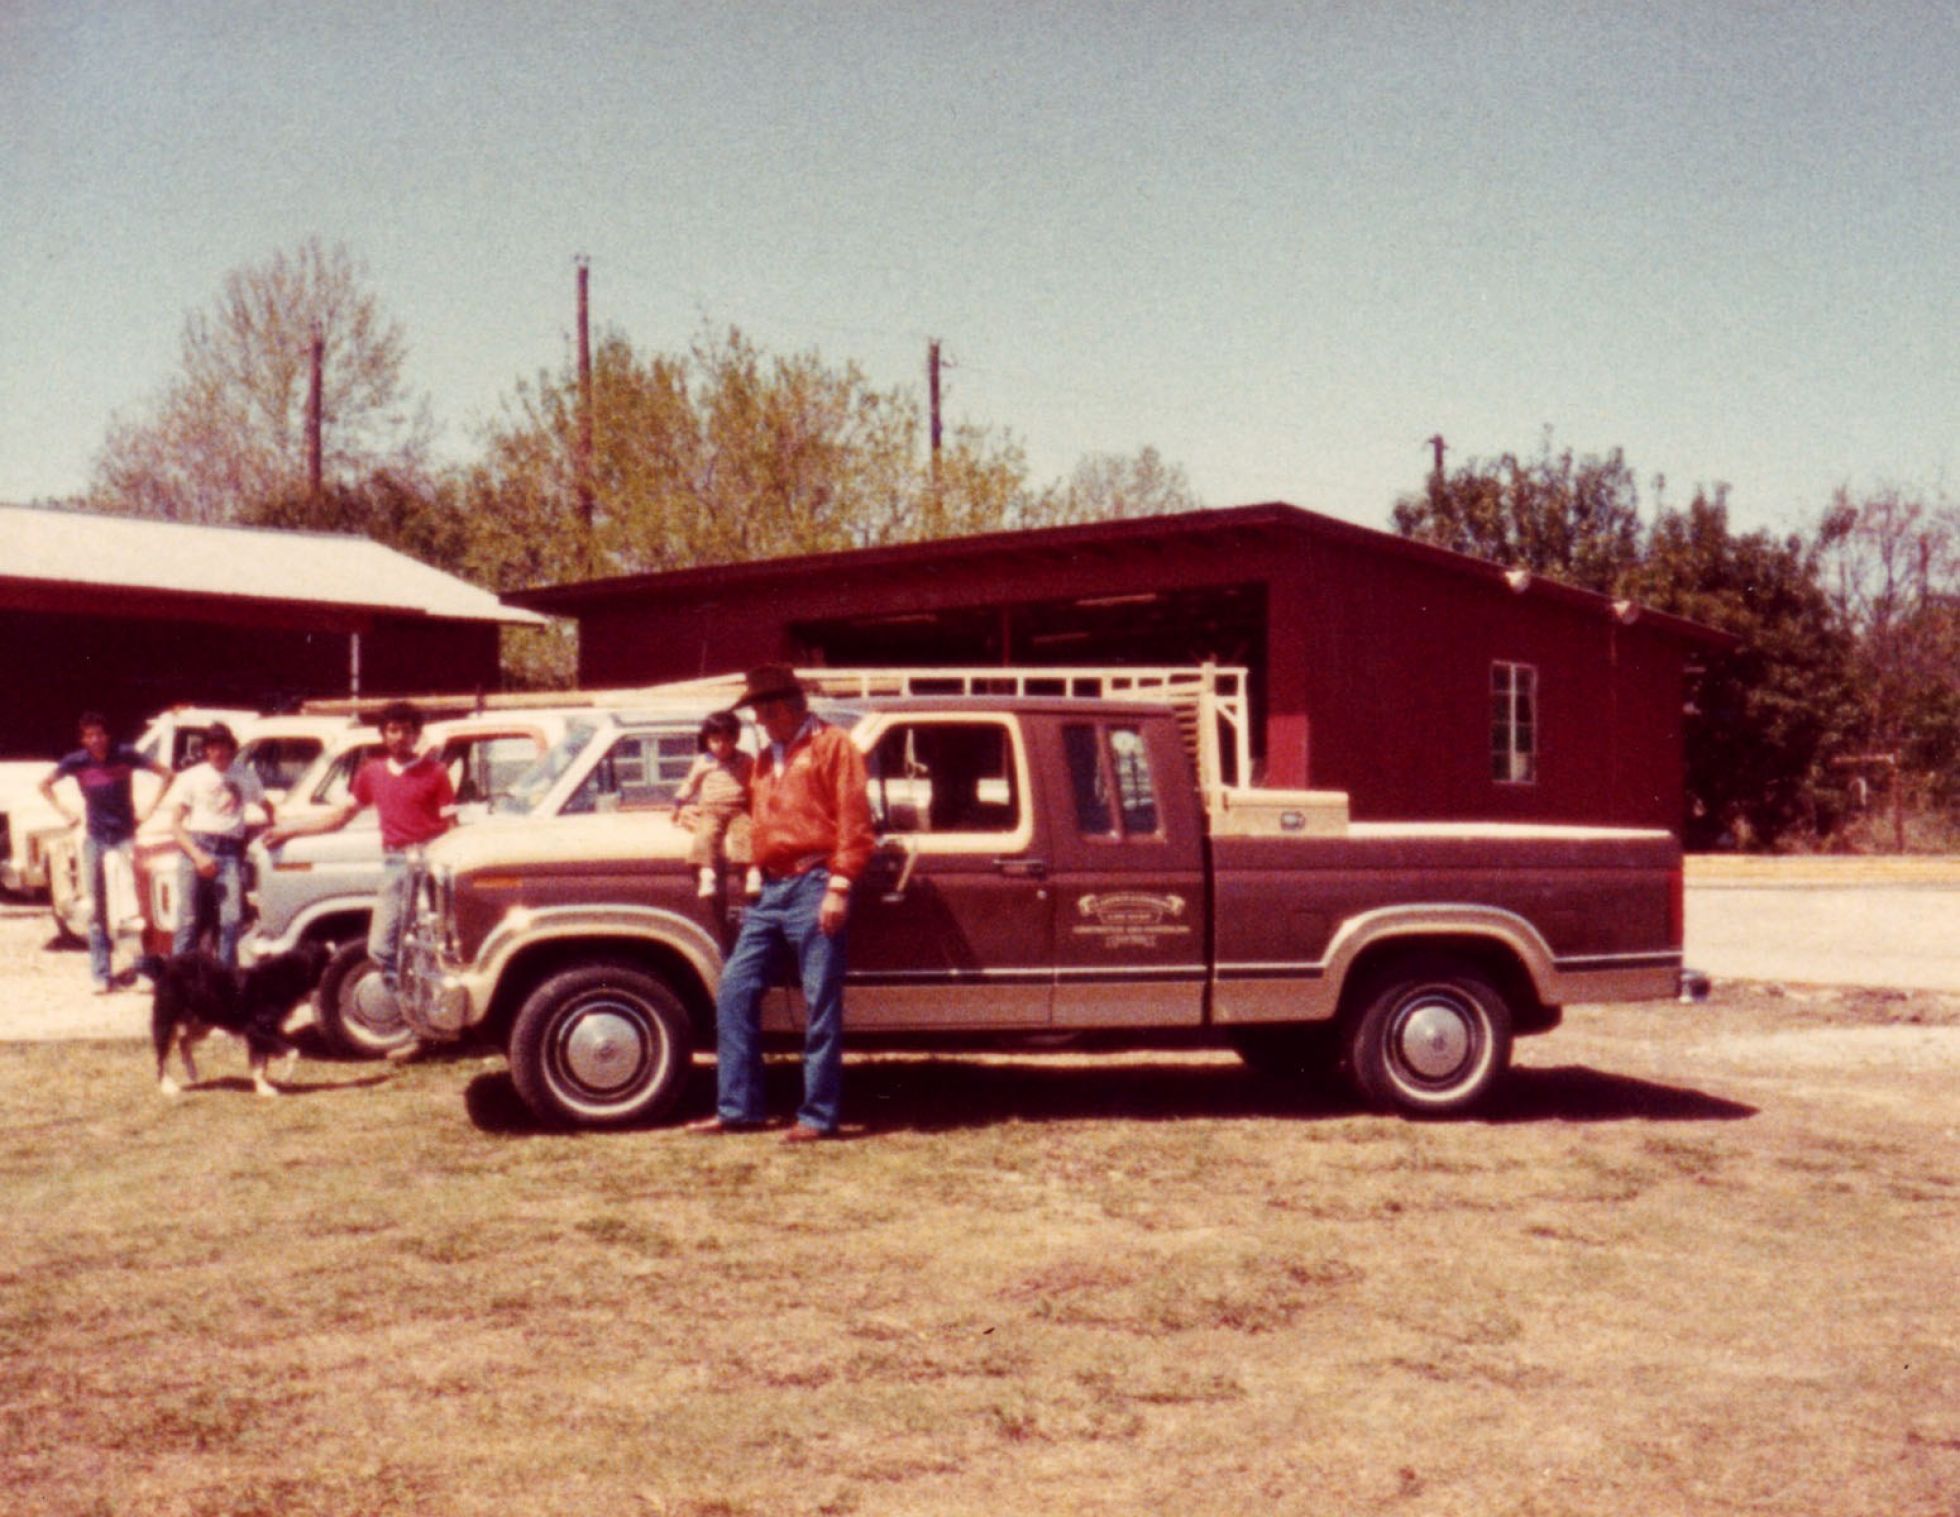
441 1002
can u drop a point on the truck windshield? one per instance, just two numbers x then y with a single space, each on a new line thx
532 786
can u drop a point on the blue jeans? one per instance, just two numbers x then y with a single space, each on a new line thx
101 931
225 889
784 921
390 914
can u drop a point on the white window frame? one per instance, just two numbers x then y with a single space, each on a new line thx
1514 744
869 732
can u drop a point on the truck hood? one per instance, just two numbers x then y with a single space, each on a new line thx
517 842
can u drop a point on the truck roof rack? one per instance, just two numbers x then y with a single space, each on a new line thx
1210 699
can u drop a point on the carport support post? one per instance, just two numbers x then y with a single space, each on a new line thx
354 664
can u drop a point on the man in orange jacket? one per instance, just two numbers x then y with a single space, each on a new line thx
812 838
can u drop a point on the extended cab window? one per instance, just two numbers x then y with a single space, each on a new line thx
1094 817
1136 792
1109 775
937 777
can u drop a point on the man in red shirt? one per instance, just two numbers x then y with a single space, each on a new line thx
812 838
415 801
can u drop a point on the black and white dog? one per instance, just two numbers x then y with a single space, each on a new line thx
196 996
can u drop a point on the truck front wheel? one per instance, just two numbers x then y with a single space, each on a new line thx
357 1016
601 1046
1432 1038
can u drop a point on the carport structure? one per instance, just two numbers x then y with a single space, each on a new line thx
1426 684
127 615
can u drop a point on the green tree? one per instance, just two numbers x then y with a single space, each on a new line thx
1573 519
1118 486
1892 566
1766 718
719 455
225 440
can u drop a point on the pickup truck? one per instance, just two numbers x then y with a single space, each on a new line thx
34 834
1057 872
320 887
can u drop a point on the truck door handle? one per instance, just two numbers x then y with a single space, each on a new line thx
1023 869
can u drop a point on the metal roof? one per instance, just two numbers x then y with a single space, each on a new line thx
329 569
1246 523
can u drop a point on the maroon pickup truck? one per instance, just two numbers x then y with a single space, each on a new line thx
1053 873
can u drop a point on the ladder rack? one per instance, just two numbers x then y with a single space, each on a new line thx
1210 699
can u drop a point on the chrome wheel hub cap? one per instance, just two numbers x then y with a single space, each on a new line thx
375 1004
1435 1039
603 1050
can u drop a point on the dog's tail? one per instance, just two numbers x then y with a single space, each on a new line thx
149 966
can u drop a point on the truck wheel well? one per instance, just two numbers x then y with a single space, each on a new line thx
1492 958
340 928
534 965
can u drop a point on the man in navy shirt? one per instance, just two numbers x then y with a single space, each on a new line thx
103 768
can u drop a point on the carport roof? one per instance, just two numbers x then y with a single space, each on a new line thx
51 548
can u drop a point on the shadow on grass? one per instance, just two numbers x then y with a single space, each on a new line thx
943 1094
285 1087
1575 1093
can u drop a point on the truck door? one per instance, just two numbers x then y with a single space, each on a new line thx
1127 874
951 922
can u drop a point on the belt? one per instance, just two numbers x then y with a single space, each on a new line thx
797 867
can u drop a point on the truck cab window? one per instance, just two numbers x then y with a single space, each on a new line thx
1093 816
1136 792
945 777
483 767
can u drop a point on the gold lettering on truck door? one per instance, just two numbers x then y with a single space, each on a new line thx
1129 918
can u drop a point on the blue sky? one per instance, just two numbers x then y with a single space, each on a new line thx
1284 244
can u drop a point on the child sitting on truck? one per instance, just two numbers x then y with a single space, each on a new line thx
718 785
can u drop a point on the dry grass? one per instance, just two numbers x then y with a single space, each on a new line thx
1689 1268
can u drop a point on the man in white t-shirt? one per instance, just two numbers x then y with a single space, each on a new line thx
206 806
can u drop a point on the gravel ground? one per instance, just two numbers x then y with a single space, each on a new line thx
44 986
1872 922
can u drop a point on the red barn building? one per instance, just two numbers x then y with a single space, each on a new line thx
126 616
1426 684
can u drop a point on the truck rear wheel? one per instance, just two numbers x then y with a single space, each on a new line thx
356 1015
1432 1038
601 1046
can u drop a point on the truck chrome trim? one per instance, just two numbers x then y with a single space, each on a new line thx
1581 963
949 976
1114 974
1309 991
524 925
1250 971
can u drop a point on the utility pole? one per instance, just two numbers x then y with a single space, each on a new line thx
583 463
1437 445
932 388
315 410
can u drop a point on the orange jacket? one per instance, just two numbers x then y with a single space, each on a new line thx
816 810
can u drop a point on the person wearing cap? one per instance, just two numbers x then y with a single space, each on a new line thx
811 837
414 800
206 806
